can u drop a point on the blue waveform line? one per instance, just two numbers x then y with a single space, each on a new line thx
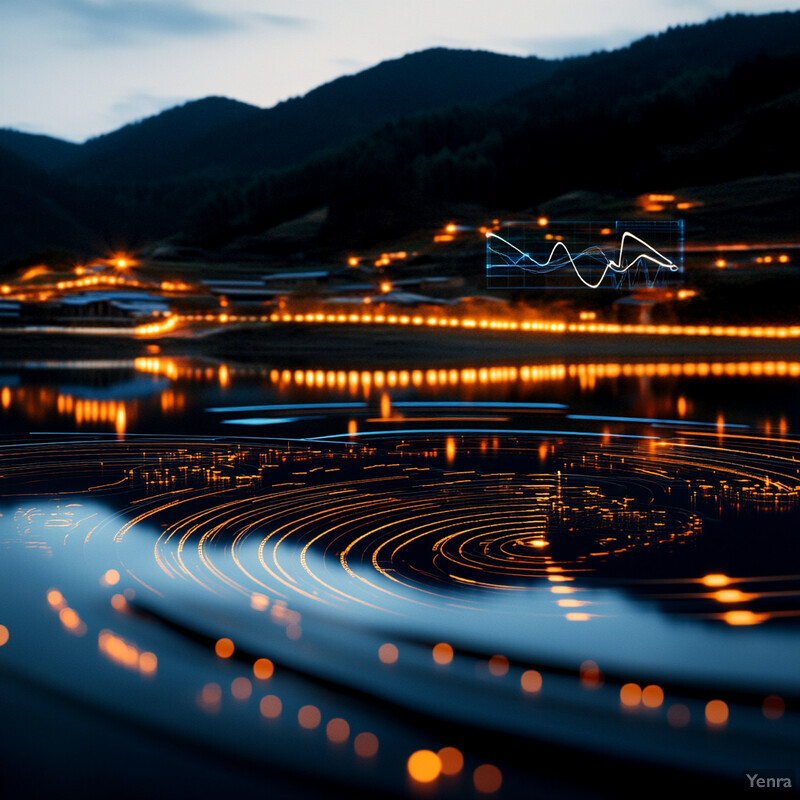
555 262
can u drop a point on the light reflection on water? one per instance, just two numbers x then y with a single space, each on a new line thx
579 528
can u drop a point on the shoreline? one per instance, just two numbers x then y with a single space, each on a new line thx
336 346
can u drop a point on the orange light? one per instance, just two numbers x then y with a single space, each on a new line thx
498 666
630 694
148 663
388 653
442 653
715 579
352 261
743 617
263 669
452 760
451 228
270 706
4 635
309 717
241 688
721 263
211 694
111 578
773 707
590 674
337 731
55 599
366 745
716 712
424 766
118 602
653 696
531 681
542 221
487 779
224 648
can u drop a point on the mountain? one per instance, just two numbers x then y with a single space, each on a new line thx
695 105
384 149
216 136
46 152
40 211
169 143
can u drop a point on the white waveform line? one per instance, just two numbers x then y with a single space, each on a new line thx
614 266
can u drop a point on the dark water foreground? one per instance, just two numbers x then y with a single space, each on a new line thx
581 576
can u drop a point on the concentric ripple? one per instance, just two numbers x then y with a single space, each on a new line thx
447 574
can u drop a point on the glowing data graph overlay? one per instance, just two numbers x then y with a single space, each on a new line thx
631 254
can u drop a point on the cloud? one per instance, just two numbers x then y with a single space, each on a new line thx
122 21
284 21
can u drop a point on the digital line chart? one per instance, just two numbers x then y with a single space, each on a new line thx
626 254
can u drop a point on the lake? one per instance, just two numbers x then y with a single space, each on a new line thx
216 571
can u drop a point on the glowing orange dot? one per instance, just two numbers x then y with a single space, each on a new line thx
270 706
498 666
652 696
591 677
55 598
118 602
110 578
263 669
69 618
452 760
442 653
715 579
148 663
531 681
366 745
388 653
309 717
241 688
487 779
224 648
773 707
337 731
630 694
542 221
211 694
578 616
730 596
4 635
742 617
259 602
716 712
424 766
678 715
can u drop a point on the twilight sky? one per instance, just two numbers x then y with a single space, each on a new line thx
78 68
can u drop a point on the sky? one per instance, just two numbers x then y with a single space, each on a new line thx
78 68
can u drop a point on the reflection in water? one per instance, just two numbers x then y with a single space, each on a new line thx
425 575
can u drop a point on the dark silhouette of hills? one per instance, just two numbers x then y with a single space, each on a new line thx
46 152
217 136
384 149
39 211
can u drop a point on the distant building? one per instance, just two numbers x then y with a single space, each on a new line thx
134 306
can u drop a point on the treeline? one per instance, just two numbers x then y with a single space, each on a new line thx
669 111
385 149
